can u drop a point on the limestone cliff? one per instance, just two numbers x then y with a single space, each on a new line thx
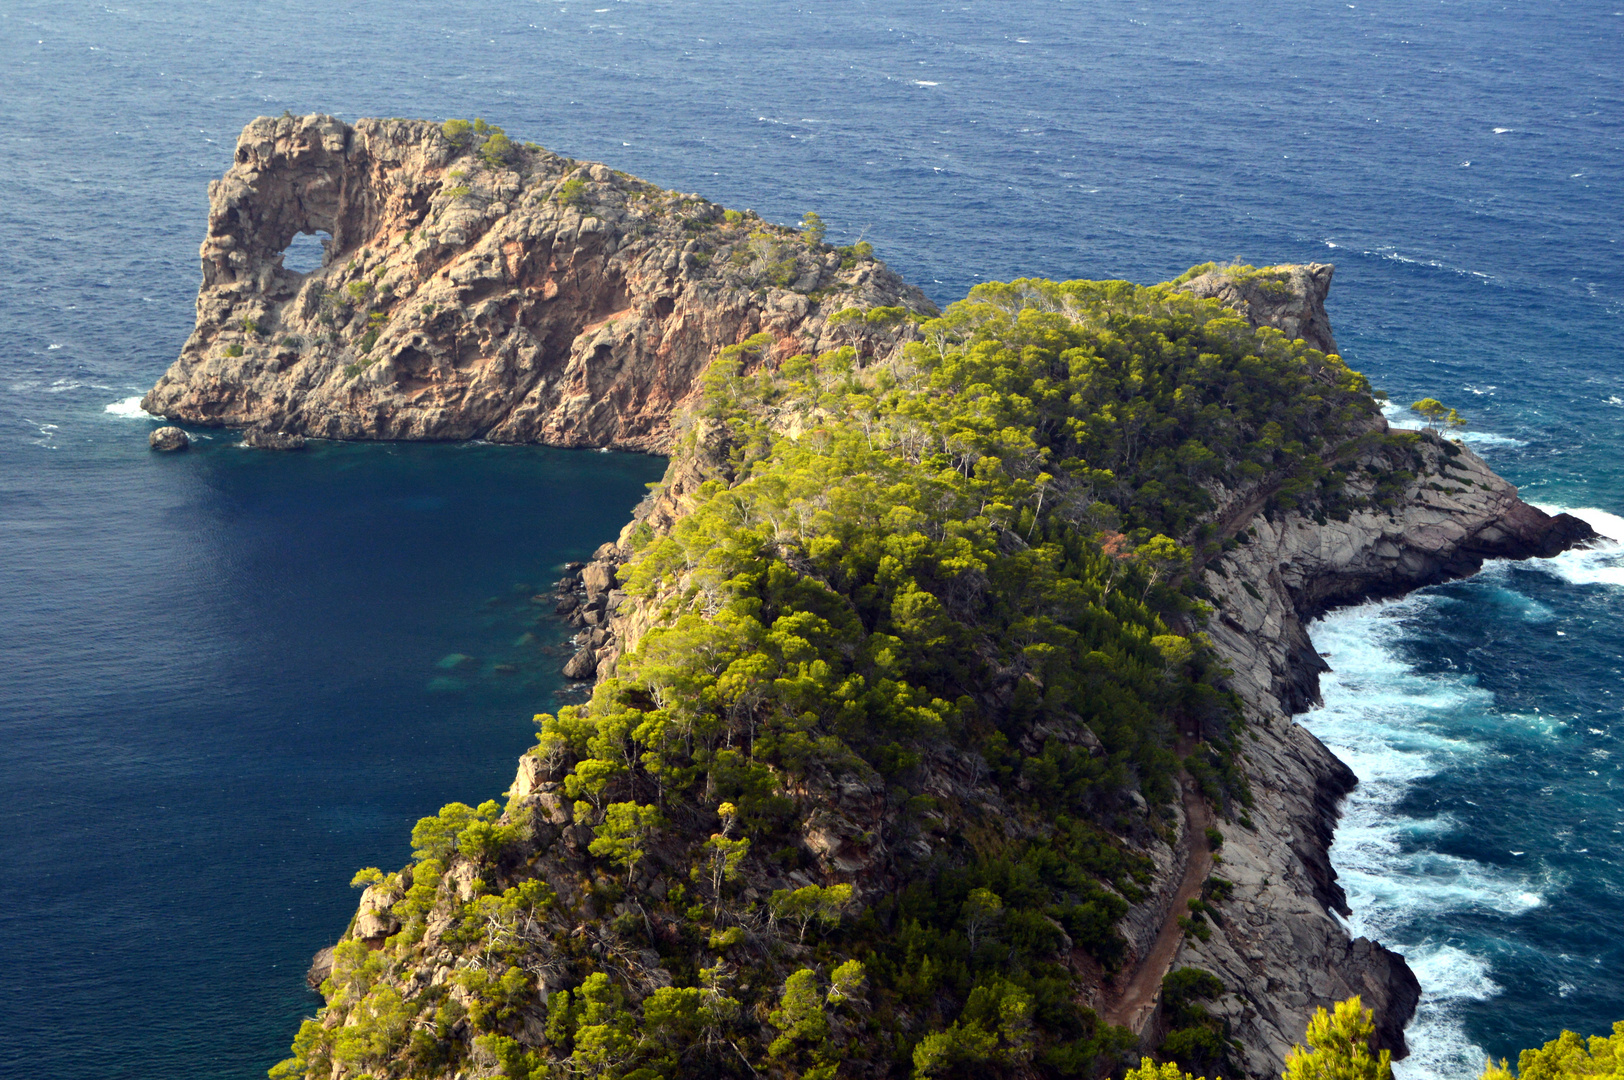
1280 950
1289 298
525 298
1280 943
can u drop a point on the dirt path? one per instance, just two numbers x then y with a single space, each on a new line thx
1132 1006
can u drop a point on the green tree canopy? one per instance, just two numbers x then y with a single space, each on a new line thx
1569 1056
1339 1047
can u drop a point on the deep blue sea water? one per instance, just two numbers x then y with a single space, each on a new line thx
220 688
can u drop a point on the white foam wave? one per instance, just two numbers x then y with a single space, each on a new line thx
1600 564
1605 522
1401 416
1395 727
1478 440
128 409
1439 1046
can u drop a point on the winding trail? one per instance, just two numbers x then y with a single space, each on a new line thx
1133 1005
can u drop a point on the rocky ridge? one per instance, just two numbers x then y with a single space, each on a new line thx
558 302
1278 939
1289 298
528 298
1277 945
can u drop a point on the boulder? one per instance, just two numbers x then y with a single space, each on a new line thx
374 921
599 577
583 665
1288 297
169 439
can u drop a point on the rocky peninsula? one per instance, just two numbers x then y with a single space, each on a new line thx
706 870
526 299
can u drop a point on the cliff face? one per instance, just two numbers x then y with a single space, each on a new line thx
1289 298
1281 944
530 298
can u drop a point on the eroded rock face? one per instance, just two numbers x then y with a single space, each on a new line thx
1290 298
262 437
541 300
1277 944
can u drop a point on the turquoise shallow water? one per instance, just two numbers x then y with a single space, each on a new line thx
217 668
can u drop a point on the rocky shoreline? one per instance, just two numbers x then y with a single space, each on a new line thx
540 299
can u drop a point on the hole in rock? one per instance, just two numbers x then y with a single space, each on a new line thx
305 253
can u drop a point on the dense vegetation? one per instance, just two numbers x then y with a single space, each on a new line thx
871 795
1569 1056
1339 1048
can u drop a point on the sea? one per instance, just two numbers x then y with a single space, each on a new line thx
229 678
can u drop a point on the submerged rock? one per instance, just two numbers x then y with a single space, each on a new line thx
267 438
169 439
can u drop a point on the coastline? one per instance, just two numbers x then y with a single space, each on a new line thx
1403 725
643 309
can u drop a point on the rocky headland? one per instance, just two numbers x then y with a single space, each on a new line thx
526 297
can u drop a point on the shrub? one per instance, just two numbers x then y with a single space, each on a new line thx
233 349
571 192
852 254
498 150
1196 1040
459 133
1339 1047
1149 1070
1567 1057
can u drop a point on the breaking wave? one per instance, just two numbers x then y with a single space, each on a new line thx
1396 727
128 409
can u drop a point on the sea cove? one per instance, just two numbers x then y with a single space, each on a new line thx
228 678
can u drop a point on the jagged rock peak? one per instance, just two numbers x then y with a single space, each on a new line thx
472 290
1289 297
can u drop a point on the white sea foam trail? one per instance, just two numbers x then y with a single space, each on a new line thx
129 409
1395 727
